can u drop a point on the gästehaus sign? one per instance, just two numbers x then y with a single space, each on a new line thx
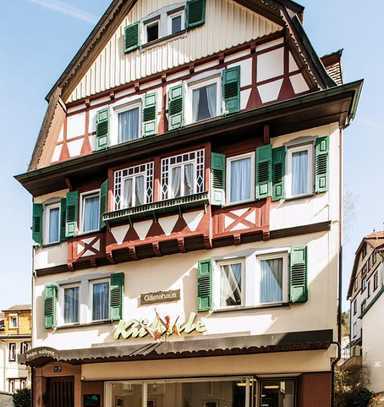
158 327
159 297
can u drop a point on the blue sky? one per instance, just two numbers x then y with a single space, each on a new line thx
39 37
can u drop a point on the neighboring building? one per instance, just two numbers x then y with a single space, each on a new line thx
366 297
15 340
187 211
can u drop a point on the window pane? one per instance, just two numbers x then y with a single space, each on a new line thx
204 102
71 305
271 287
127 395
100 305
230 285
278 393
139 190
152 32
241 180
176 182
127 193
91 213
54 222
189 177
300 173
176 24
129 125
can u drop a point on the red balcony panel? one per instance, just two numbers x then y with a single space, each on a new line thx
87 247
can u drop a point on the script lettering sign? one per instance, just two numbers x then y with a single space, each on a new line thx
158 328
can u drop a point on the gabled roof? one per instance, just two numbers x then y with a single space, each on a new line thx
376 241
19 307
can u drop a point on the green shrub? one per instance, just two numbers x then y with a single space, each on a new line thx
22 398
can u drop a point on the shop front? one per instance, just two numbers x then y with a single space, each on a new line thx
291 370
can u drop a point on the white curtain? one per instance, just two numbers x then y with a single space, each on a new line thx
71 305
54 223
188 179
300 172
230 285
271 288
127 193
211 97
176 182
91 213
100 302
139 187
241 180
195 105
129 125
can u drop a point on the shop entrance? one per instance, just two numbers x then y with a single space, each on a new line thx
60 392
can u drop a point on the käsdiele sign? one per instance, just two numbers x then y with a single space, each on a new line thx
158 328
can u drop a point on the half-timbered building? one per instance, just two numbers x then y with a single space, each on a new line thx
187 211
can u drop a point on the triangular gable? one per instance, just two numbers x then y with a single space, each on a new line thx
227 24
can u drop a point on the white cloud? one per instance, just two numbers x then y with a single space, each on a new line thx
66 9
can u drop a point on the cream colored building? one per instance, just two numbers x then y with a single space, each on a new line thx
15 340
187 211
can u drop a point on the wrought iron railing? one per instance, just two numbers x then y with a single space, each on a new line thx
157 208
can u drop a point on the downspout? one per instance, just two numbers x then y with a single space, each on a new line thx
340 273
32 320
4 362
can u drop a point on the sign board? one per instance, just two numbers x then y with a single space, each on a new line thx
160 297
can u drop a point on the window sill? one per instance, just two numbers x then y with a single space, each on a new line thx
79 325
251 308
48 245
162 39
297 197
234 204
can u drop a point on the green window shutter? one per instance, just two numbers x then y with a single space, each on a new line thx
204 285
278 172
103 202
322 162
175 107
63 217
263 171
50 302
231 89
37 224
116 296
102 129
132 40
149 114
217 179
298 275
195 13
72 213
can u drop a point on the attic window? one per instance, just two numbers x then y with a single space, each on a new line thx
152 31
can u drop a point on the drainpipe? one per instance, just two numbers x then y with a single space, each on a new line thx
340 273
4 362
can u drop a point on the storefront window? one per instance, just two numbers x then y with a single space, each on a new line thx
277 393
196 393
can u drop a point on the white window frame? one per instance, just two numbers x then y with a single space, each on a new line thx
217 283
17 321
285 288
14 353
150 22
61 306
90 299
133 177
250 155
47 209
83 196
122 108
288 177
197 84
11 385
171 16
182 185
24 347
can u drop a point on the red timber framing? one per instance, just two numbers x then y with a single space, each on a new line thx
167 78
